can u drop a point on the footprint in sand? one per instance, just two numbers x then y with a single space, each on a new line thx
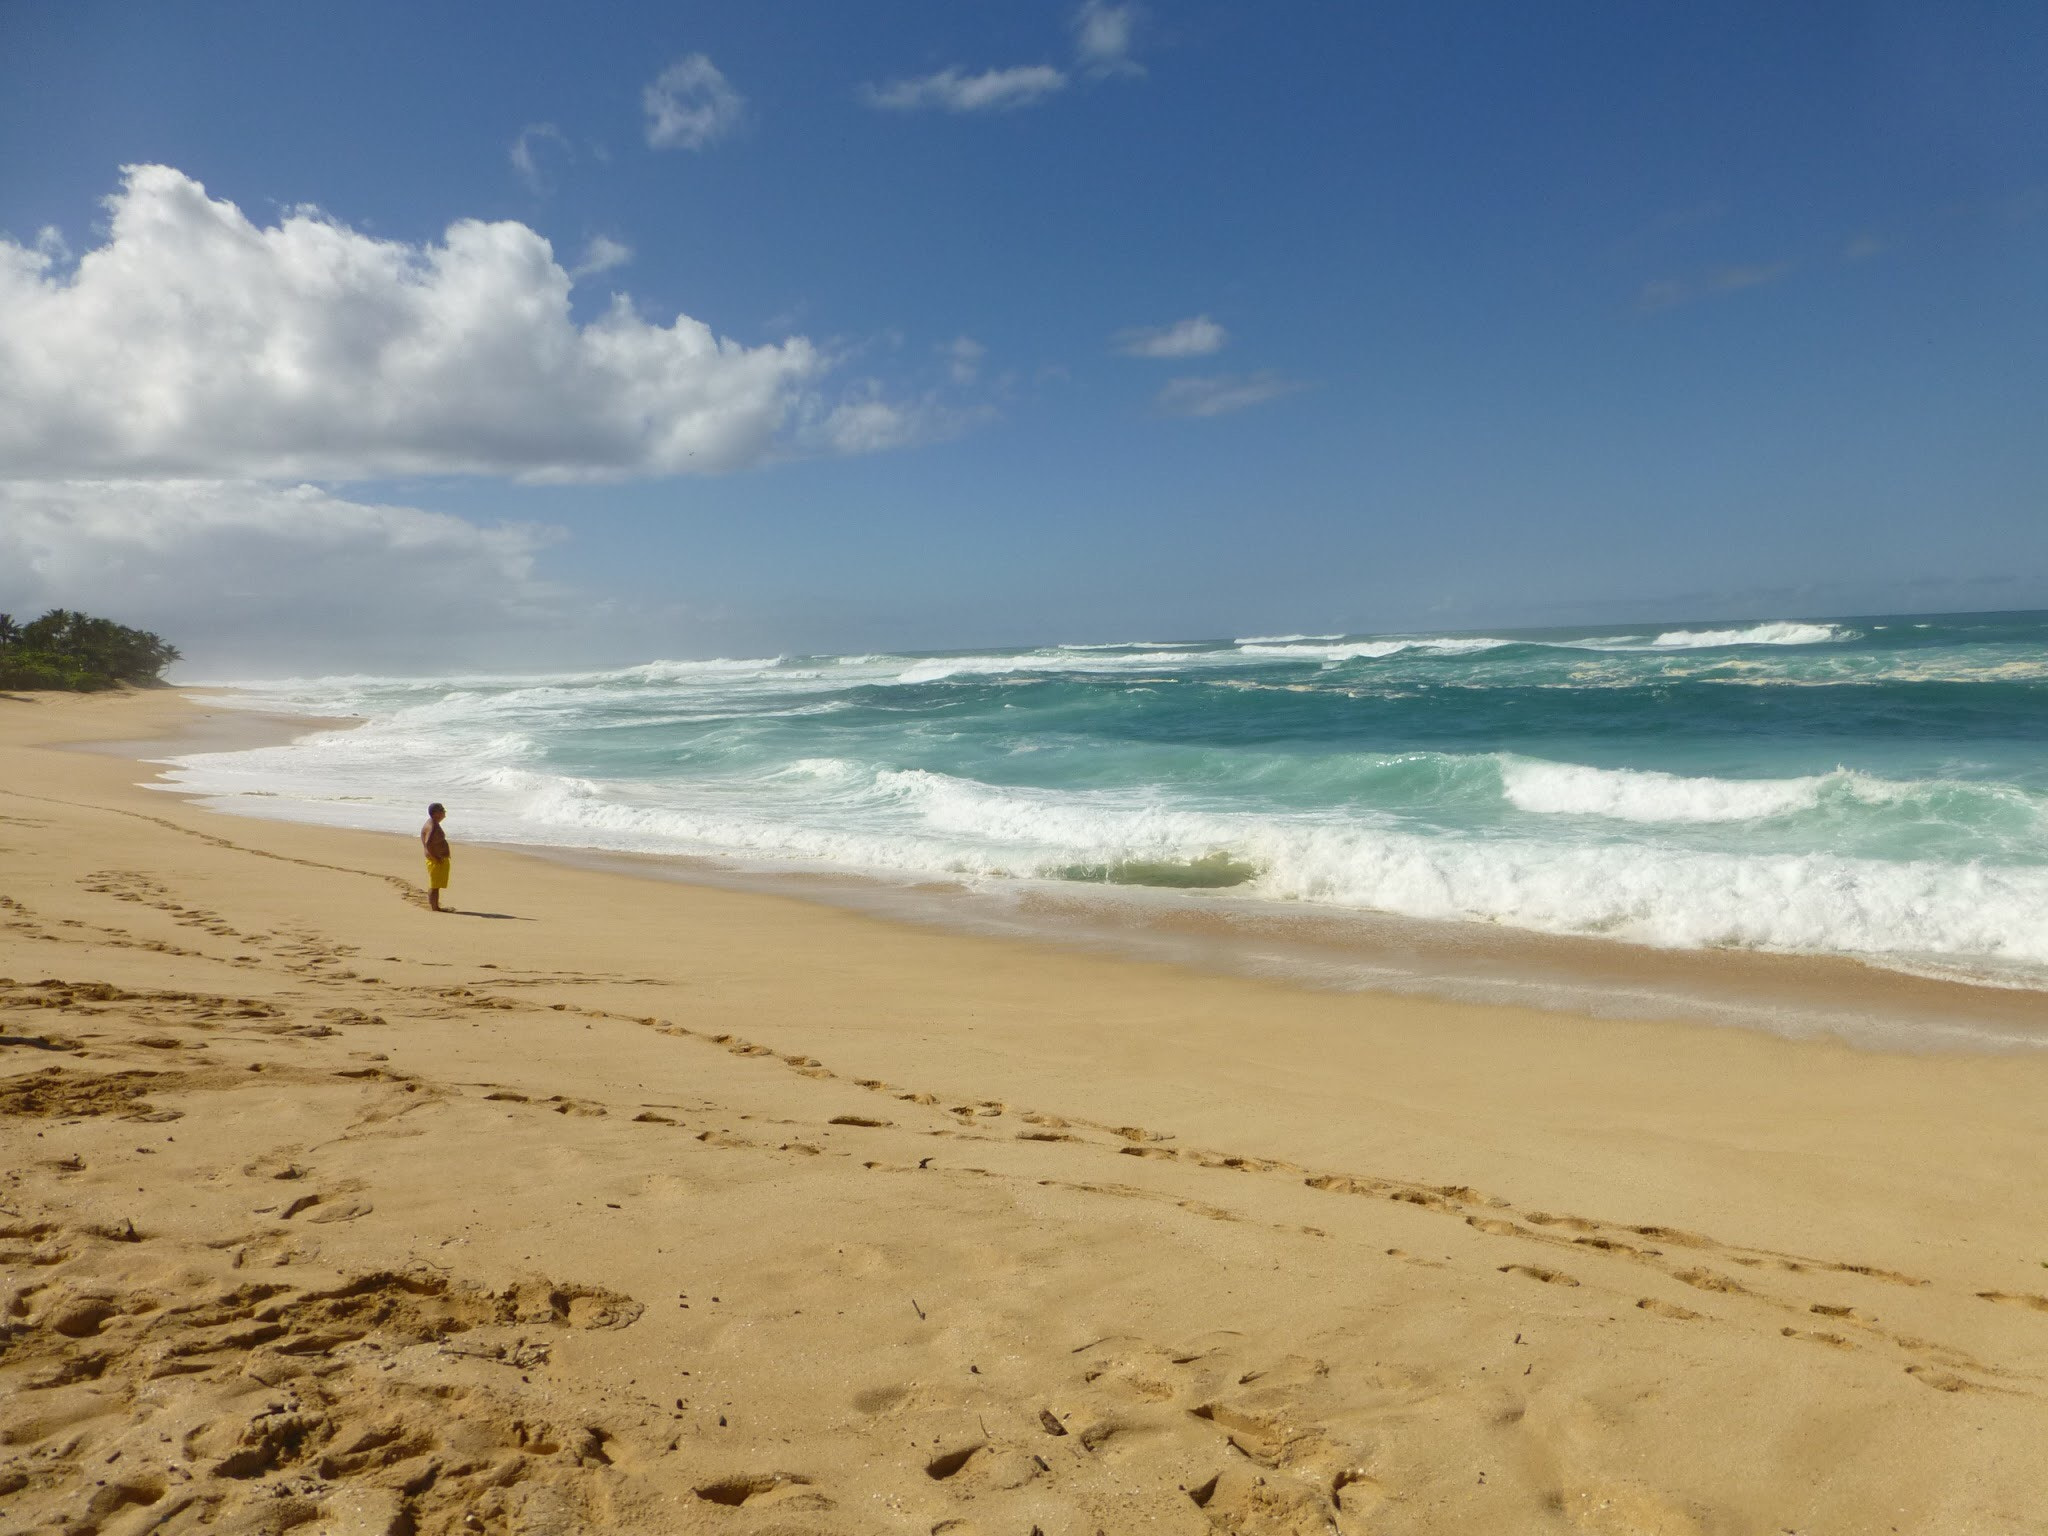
2016 1299
1538 1272
360 1443
1811 1336
1493 1227
1569 1223
1671 1309
751 1490
1708 1280
1942 1381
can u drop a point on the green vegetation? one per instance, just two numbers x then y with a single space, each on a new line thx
1210 872
79 653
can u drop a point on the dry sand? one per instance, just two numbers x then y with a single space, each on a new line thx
616 1204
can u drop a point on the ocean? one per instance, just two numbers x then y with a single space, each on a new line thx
1870 788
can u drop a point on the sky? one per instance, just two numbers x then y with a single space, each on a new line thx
416 338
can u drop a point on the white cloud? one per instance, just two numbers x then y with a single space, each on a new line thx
1102 38
601 255
273 577
1195 337
866 426
194 343
1218 394
866 421
994 90
529 150
963 356
690 104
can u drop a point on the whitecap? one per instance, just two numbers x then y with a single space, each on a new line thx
1783 632
1375 650
936 669
1627 794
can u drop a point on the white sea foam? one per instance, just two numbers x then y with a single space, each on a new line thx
920 823
1783 633
936 669
1623 794
1128 645
1815 903
678 671
1280 639
1374 650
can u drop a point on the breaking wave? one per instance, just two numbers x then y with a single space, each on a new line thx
1374 650
1755 634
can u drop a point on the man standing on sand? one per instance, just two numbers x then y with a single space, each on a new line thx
435 841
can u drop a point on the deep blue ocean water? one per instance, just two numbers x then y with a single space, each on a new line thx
1868 787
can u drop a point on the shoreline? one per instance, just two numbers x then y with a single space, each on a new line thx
1798 995
1788 995
608 1203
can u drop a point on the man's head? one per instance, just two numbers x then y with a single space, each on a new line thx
436 811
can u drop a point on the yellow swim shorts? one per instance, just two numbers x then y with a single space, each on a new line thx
437 874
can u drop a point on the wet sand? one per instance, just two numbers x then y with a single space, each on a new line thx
614 1203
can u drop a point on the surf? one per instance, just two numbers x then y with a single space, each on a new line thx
1866 787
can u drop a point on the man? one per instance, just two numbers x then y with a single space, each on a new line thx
435 841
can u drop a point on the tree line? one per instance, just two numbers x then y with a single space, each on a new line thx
75 651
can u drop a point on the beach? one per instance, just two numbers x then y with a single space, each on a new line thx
614 1203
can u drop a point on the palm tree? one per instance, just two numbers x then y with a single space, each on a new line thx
9 630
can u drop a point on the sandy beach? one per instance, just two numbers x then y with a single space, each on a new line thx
607 1203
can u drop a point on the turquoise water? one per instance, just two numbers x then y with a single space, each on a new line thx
1868 787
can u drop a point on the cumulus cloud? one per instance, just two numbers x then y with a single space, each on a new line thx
951 90
1195 337
1103 34
530 152
193 342
1219 394
690 104
278 578
601 255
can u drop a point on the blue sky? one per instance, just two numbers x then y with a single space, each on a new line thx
1475 316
